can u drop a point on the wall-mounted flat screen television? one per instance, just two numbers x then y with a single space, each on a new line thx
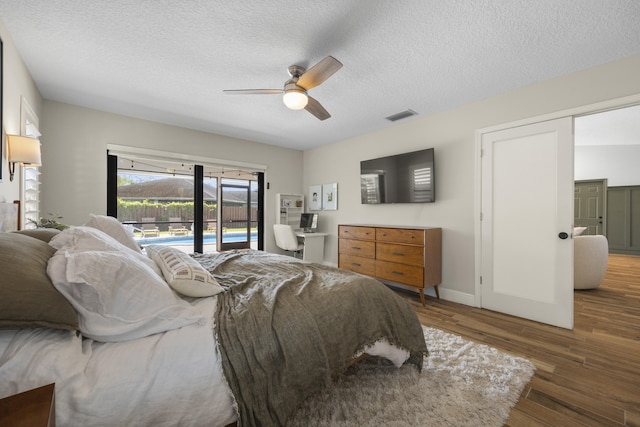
401 178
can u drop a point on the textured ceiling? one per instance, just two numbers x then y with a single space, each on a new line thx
169 61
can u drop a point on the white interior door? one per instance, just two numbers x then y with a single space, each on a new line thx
526 226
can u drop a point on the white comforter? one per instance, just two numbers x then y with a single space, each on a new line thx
169 379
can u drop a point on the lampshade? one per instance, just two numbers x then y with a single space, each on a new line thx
24 150
295 99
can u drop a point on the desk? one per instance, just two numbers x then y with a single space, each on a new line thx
313 246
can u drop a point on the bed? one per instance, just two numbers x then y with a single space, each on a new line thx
158 337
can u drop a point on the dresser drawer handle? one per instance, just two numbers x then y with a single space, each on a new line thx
398 273
396 254
355 264
357 248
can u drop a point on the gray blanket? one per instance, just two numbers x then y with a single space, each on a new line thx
286 327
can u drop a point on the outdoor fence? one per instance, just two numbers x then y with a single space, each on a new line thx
133 212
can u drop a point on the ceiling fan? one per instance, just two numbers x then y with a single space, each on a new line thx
295 89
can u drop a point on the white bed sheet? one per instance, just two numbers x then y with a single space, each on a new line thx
168 379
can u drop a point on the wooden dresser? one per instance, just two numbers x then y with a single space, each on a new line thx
407 255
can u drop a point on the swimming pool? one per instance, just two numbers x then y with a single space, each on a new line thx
188 240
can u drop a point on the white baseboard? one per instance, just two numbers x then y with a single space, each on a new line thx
457 296
445 294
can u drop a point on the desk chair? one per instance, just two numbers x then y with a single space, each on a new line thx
286 239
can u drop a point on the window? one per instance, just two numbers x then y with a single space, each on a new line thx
30 176
189 204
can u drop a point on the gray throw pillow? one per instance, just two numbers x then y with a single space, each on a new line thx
44 234
27 296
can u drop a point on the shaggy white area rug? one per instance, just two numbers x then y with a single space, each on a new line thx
461 384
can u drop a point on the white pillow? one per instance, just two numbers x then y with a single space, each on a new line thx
183 273
115 229
578 231
117 299
83 238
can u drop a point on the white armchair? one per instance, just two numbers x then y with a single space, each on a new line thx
590 257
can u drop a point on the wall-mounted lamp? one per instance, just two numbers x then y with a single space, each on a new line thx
23 150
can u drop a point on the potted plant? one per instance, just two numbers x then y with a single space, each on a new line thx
51 222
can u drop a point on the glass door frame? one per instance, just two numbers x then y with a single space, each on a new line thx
246 244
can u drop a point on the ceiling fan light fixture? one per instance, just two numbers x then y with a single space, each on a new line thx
295 99
295 89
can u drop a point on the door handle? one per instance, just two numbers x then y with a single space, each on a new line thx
563 235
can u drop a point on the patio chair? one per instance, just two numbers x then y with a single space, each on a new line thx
177 227
149 228
210 226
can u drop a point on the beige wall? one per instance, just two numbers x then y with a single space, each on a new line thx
17 83
617 163
452 133
74 151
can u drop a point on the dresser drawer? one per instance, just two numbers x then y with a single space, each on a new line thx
358 264
362 248
351 232
400 273
400 235
402 254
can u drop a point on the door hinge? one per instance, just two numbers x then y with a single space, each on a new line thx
481 216
481 280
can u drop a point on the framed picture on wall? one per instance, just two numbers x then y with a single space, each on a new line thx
330 196
315 197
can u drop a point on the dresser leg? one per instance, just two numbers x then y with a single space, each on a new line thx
422 295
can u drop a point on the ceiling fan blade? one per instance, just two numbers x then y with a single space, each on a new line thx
319 72
316 109
253 91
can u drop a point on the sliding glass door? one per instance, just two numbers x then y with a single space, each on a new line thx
235 207
190 206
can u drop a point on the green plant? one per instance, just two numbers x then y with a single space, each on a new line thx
51 222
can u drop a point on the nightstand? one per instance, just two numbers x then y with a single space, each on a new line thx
32 408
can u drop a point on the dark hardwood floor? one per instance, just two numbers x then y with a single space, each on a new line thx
588 376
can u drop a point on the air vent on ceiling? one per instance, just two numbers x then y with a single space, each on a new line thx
401 115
